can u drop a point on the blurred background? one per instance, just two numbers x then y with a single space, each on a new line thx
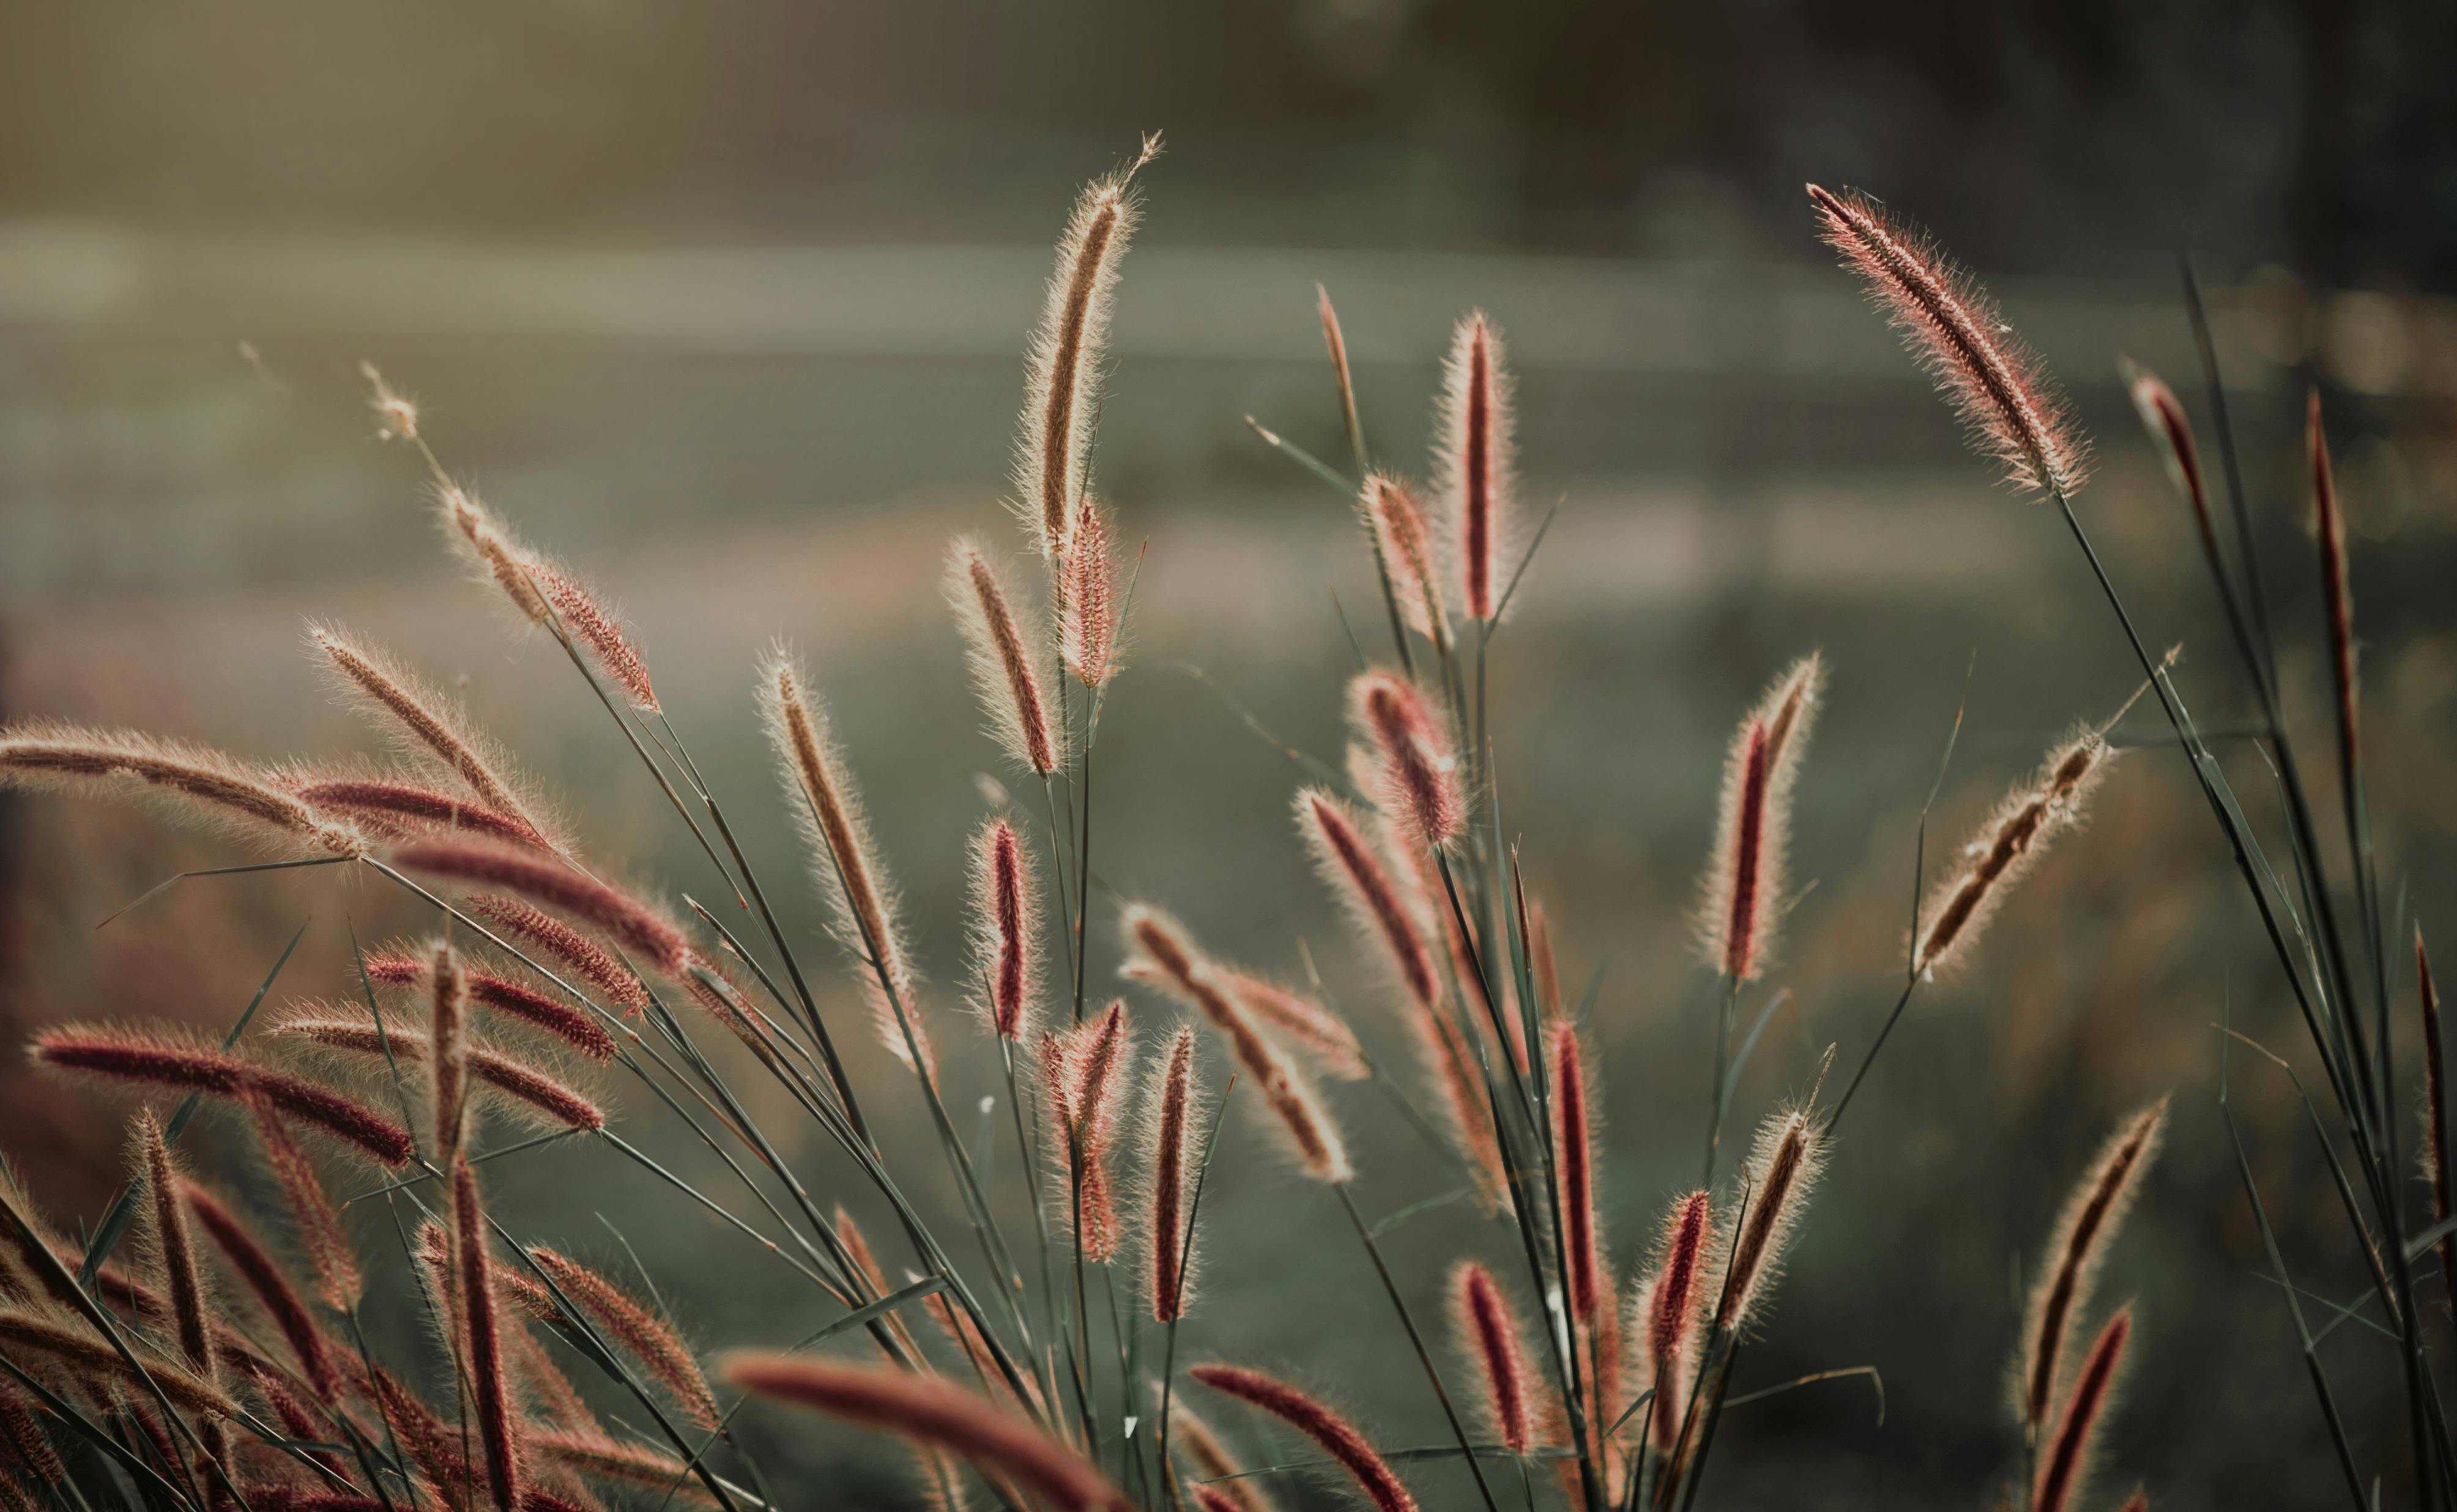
725 304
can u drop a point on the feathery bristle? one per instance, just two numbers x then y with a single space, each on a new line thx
396 416
1406 546
564 947
2435 1113
1193 1437
400 808
2009 405
1161 955
510 998
2065 1457
270 1285
448 1025
166 1060
1573 1159
498 1417
1414 773
2006 847
1000 659
188 783
937 1413
843 860
2077 1246
1359 877
598 630
597 1455
1063 370
92 1359
1171 1114
23 1431
1741 898
533 1090
1474 430
174 1246
1783 1169
1335 1434
2337 592
492 554
313 1217
2171 431
427 722
1086 1070
1489 1334
550 883
1088 600
647 1336
1330 1048
1671 1310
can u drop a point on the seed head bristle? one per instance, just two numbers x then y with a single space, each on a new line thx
491 552
1160 954
1405 545
1006 928
1088 628
648 1337
2338 594
2006 847
1336 1436
1781 1171
1368 891
498 1415
1000 654
425 724
1670 1311
1169 1119
1414 773
1192 1436
2065 1457
550 883
396 416
1741 898
2075 1250
564 947
187 783
2011 408
843 860
1328 1047
1062 372
175 1247
269 1283
933 1412
510 998
165 1060
1574 1159
313 1217
598 630
1489 1334
1474 459
1086 1070
396 809
597 1455
536 1093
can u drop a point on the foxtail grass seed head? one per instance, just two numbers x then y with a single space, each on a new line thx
551 884
2010 406
491 553
1006 928
566 950
396 416
2065 1457
1357 874
2005 850
828 812
1489 1335
1336 1436
1742 895
1336 342
90 1360
1086 1070
1091 611
1160 954
399 809
1414 773
1307 1026
1573 1158
2330 525
1474 462
537 1095
175 1247
165 1060
448 1029
1671 1308
503 996
1063 370
425 723
2171 432
188 783
1193 1437
2076 1251
935 1413
1781 1171
498 1414
639 1329
599 631
313 1217
1405 545
1001 656
269 1284
1170 1138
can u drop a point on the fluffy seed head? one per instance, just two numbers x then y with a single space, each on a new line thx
513 999
1062 372
174 1246
565 949
1405 545
1573 1158
933 1412
2075 1250
396 417
1169 1116
1002 659
1783 1169
2010 406
2065 1460
537 1093
268 1284
1671 1310
188 783
1328 1047
164 1059
1086 1070
427 725
598 630
1416 774
1740 897
313 1216
498 1415
2171 432
1473 460
645 1335
1354 868
1231 1491
1089 602
492 554
2006 847
1489 1335
1336 1436
1006 928
447 1028
550 883
397 810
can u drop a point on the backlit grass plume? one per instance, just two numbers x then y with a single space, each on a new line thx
189 783
2006 847
1006 928
1742 897
1489 1336
1414 773
1337 1437
1002 659
1474 457
2075 1253
2010 406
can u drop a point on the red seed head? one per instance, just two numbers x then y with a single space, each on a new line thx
189 783
1474 459
1405 546
598 630
1088 600
1334 1433
1781 1171
2007 403
447 1025
313 1216
175 1247
1170 1119
425 724
538 1095
1308 1026
1741 899
498 1415
1006 927
165 1060
1063 370
1354 870
1671 1309
2005 850
1489 1335
1573 1158
384 807
1001 656
2065 1457
566 949
550 883
2075 1250
1415 775
2171 431
1087 1068
639 1329
271 1287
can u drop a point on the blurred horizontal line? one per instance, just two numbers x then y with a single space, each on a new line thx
977 302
